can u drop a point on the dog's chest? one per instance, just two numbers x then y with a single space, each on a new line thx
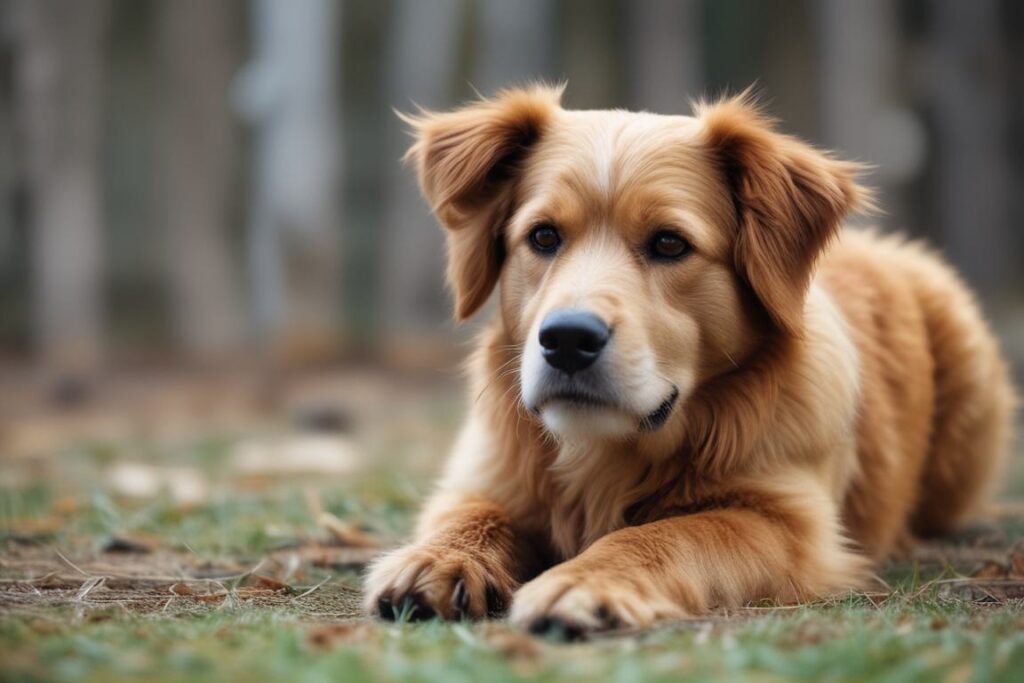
591 491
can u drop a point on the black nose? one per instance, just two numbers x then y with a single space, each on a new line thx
572 340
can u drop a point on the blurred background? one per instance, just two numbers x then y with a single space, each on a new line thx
225 341
197 189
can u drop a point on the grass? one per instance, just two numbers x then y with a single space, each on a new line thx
918 632
247 519
926 641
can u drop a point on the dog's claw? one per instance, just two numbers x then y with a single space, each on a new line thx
460 600
386 609
496 603
557 628
609 621
410 607
540 626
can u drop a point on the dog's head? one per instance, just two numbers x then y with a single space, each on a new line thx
639 255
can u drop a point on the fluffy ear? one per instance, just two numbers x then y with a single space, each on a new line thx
790 200
467 161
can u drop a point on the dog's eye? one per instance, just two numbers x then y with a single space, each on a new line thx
545 239
667 246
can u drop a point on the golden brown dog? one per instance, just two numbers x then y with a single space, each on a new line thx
698 390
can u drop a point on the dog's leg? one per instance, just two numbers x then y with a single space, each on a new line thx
758 544
465 561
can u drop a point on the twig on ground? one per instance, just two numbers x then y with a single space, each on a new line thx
88 586
314 588
71 564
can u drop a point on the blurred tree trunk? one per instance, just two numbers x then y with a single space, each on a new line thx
591 52
59 80
196 58
853 79
9 173
423 68
969 91
665 54
514 43
861 117
290 94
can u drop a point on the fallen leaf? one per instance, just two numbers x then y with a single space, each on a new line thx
1017 565
346 534
265 583
511 643
327 636
329 556
186 590
990 570
129 545
35 526
65 505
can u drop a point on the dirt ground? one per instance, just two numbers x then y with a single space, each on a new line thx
185 526
984 566
309 435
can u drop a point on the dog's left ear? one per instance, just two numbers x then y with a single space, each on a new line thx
467 161
790 200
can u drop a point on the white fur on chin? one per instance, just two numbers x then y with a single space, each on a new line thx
585 423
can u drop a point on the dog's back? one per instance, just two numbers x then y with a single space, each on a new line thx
936 401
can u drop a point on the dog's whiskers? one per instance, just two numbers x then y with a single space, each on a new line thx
502 371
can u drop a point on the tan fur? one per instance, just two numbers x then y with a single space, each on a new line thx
839 390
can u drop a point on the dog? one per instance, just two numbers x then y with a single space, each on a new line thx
699 389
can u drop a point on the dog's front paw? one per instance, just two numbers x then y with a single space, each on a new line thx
570 604
425 581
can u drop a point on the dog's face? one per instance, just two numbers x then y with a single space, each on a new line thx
640 256
618 279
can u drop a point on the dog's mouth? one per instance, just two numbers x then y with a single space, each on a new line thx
578 399
585 400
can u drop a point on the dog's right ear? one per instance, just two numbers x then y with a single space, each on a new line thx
467 161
